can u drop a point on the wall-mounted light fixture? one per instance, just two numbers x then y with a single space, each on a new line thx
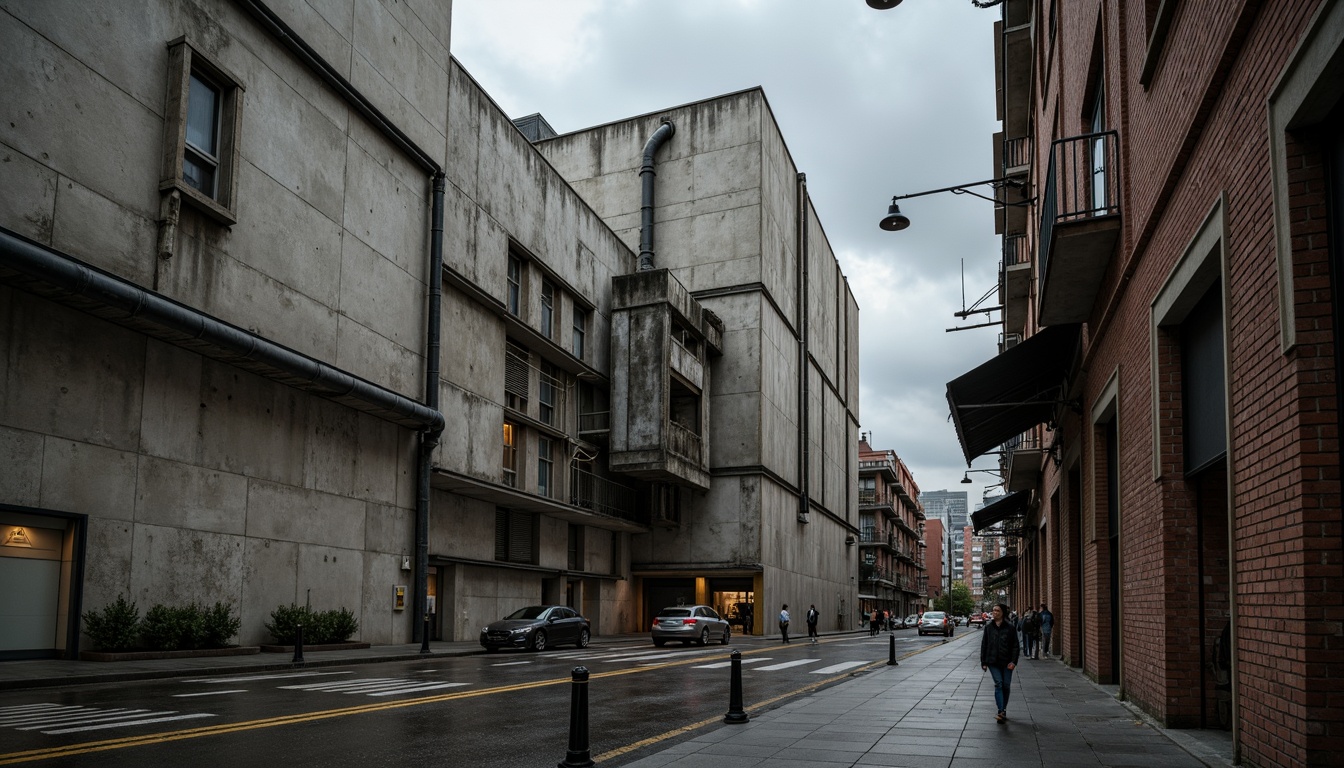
966 478
895 221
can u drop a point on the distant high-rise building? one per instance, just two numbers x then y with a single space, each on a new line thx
950 507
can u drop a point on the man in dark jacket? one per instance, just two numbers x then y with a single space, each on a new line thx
999 650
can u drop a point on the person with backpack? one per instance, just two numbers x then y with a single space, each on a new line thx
1047 628
813 616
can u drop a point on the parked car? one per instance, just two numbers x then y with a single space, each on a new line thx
978 619
688 623
537 627
936 623
912 620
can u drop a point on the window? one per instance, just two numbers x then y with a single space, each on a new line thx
547 309
510 464
202 122
515 284
545 462
546 393
515 536
515 377
1098 125
575 547
580 331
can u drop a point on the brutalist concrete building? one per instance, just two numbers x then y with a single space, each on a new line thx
293 313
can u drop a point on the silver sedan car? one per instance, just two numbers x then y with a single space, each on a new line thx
687 623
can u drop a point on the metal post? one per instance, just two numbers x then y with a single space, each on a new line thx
736 715
577 756
424 636
298 645
891 653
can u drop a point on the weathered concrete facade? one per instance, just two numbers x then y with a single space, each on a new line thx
191 478
220 377
736 228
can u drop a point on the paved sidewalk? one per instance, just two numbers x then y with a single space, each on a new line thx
935 710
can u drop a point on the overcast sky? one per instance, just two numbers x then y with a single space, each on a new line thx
870 103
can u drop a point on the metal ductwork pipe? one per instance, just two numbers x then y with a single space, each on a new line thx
646 176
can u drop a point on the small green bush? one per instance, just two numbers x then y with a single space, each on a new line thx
341 625
219 625
319 627
174 629
115 628
284 623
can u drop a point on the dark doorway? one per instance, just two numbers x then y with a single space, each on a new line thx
661 593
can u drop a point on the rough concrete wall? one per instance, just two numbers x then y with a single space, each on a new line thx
780 419
290 492
708 189
805 564
779 221
331 217
735 383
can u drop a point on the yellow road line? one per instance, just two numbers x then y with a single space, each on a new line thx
82 748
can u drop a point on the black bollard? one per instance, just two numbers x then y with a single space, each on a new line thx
298 645
424 636
735 714
891 653
577 756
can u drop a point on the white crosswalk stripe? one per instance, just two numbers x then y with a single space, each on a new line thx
725 664
835 668
251 678
379 686
58 719
785 665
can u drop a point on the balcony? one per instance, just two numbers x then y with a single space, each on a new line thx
869 497
1023 461
1080 223
1015 283
593 424
599 495
1012 70
877 537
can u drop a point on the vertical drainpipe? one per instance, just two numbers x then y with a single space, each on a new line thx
804 490
646 177
429 440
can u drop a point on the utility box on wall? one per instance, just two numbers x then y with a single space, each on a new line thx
661 339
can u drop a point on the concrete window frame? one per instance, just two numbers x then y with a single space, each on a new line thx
1309 86
186 60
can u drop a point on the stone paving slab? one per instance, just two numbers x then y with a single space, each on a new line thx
936 710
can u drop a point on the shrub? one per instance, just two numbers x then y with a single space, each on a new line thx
172 629
341 625
319 627
115 628
219 625
284 623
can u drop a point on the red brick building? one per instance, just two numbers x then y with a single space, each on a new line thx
891 526
1167 397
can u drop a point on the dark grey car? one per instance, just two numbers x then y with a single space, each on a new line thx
690 623
538 627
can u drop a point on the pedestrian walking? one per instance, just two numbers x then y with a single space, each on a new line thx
872 623
748 619
999 650
1024 630
784 622
813 616
1047 627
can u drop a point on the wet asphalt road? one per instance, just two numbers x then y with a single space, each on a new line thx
503 709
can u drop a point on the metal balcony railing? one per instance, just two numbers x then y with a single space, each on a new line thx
683 442
602 496
1017 152
1015 250
1027 441
869 497
1081 182
597 421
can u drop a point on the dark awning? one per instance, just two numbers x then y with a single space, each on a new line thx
1013 392
1002 581
1013 505
1005 563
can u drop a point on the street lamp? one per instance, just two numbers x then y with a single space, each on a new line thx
895 221
966 478
886 5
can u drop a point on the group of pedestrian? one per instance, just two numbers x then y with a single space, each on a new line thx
813 616
1006 637
1035 627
